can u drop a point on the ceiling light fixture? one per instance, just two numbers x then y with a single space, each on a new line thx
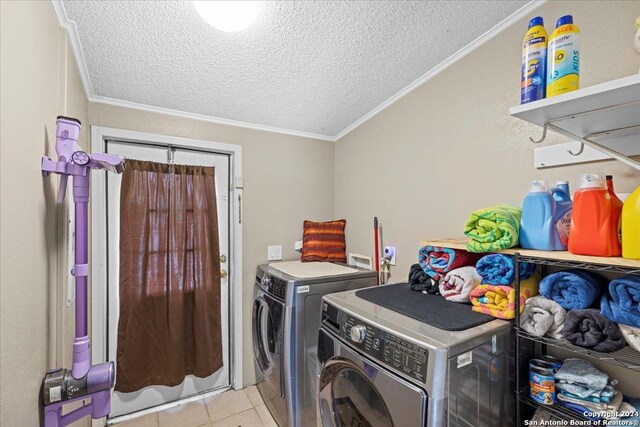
228 15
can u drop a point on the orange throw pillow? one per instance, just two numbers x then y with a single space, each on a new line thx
324 241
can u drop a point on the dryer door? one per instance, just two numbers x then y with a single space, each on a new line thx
267 332
356 392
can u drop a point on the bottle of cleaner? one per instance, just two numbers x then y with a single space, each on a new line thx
593 220
564 186
563 58
546 217
631 226
534 59
616 205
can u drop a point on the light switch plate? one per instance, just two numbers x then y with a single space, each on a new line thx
274 252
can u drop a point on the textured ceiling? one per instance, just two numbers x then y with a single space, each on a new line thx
313 67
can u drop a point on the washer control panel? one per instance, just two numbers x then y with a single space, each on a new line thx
385 347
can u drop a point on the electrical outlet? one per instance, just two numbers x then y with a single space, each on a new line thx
392 260
274 253
298 245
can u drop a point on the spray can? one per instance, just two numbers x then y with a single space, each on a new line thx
534 59
563 58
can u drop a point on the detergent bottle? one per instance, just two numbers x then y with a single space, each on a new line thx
564 186
563 58
546 217
594 219
616 205
534 59
631 226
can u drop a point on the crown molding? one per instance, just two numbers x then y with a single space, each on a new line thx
491 33
72 30
205 118
71 27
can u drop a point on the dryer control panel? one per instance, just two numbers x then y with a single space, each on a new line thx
385 347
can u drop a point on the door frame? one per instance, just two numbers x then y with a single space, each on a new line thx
99 136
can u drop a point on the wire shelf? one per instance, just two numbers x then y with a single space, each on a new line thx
628 357
580 264
558 410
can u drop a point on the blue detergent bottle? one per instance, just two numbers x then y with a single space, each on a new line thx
546 217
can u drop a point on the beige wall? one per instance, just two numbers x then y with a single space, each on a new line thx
287 179
450 146
39 80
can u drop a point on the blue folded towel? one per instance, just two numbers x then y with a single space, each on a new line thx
622 305
499 269
572 289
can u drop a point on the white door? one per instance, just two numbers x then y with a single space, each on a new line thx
126 403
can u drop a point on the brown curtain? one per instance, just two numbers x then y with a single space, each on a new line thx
169 323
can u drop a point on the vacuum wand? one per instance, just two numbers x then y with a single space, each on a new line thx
84 380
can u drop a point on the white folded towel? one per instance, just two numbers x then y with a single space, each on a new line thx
542 316
631 335
458 283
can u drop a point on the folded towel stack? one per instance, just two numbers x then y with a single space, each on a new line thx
542 316
572 289
499 269
499 301
622 305
584 387
590 329
437 261
494 228
458 284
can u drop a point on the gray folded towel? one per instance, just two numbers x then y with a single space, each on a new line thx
584 374
542 316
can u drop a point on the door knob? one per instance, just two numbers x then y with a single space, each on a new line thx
223 258
224 274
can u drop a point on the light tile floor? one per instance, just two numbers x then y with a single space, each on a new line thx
233 408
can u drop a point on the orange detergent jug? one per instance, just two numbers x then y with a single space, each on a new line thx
631 226
594 220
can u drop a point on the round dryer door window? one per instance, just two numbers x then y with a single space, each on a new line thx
354 399
265 335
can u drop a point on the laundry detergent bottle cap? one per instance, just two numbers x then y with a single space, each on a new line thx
538 186
564 20
592 180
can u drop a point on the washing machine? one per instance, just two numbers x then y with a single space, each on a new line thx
286 321
381 368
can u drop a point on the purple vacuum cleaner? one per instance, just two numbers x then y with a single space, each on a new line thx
84 381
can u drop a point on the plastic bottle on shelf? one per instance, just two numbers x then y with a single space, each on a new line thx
564 186
630 220
594 220
534 59
563 58
546 218
616 205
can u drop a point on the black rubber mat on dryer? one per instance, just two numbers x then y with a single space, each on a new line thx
433 310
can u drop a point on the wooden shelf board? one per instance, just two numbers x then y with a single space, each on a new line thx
461 243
